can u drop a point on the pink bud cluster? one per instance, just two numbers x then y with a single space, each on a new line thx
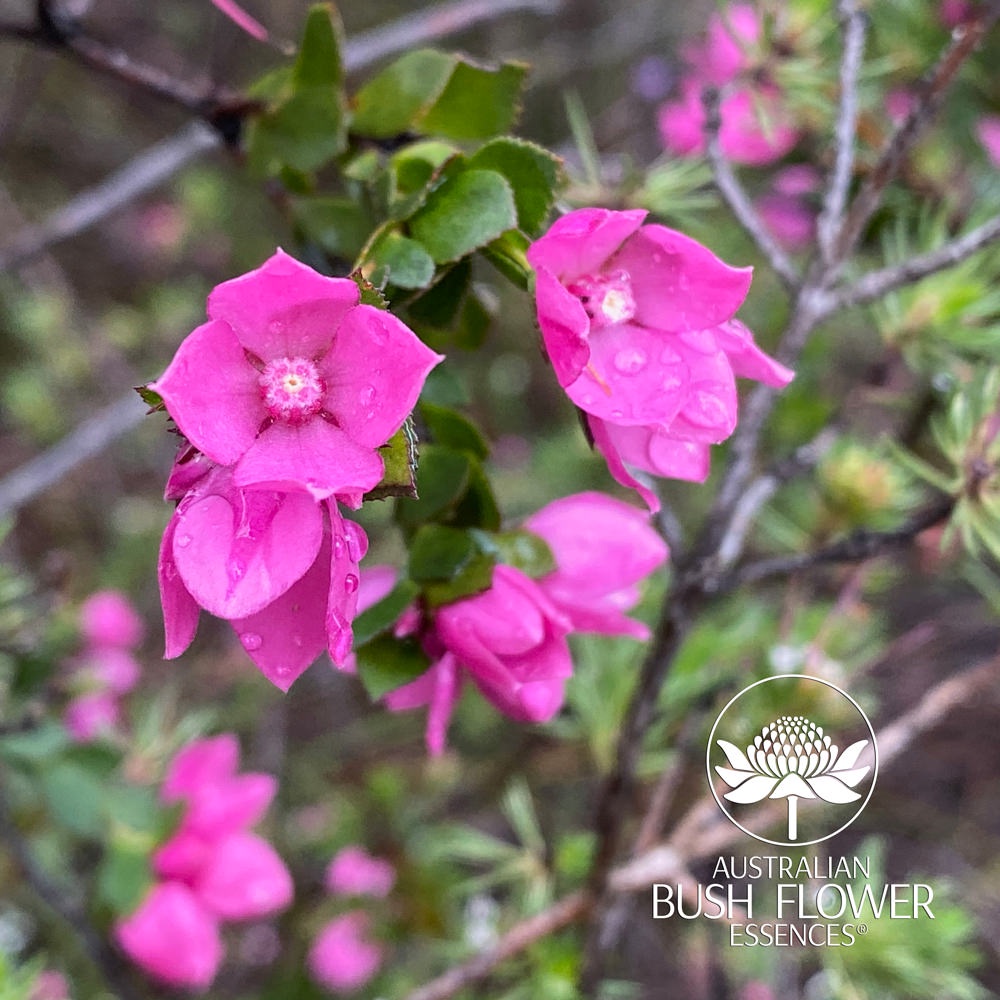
212 871
284 397
344 955
106 668
639 324
756 127
510 640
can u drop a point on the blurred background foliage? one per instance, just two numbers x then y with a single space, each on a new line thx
498 828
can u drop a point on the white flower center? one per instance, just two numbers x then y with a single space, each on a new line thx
607 298
292 389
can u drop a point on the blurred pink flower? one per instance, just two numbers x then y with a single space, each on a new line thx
90 715
988 131
899 103
240 17
354 872
954 12
280 567
210 870
343 957
173 937
638 323
787 210
293 383
602 548
107 618
111 669
732 33
50 985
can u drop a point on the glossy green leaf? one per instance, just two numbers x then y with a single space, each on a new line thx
475 577
438 552
382 615
478 508
399 454
319 62
466 212
370 295
392 101
385 664
415 165
452 429
124 877
442 479
341 226
533 173
439 306
75 798
400 261
524 550
478 102
508 254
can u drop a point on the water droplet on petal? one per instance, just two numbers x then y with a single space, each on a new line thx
338 547
251 641
367 396
668 356
350 583
630 361
237 569
183 541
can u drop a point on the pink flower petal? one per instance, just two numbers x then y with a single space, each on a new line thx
747 359
601 433
173 937
201 763
182 857
114 669
283 309
243 879
635 376
731 31
439 689
91 715
229 806
653 450
211 392
240 17
678 283
239 550
374 372
354 872
316 457
349 547
564 324
107 618
988 132
343 957
180 609
580 242
287 636
755 128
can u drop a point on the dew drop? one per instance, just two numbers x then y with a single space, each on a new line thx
297 640
668 356
251 641
338 547
350 583
630 361
353 548
183 541
367 395
237 569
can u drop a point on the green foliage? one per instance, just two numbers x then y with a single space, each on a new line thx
385 664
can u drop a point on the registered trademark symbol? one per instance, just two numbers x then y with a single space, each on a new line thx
862 928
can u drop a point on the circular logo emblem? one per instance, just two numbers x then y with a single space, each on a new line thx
792 760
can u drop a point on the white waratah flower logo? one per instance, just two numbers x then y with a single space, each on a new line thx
791 759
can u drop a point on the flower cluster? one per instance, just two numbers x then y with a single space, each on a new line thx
755 127
510 640
344 956
284 397
106 668
638 322
212 870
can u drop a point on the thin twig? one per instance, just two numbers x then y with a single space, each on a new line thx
875 284
84 442
736 197
853 23
99 953
856 547
561 914
965 40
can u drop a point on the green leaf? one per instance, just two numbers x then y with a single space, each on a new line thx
533 173
34 745
389 103
382 615
75 798
399 454
400 261
475 577
478 508
440 304
465 213
370 295
508 255
478 102
340 226
150 397
452 429
522 549
124 877
438 552
319 63
385 664
417 164
135 806
442 479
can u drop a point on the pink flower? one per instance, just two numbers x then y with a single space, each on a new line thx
107 618
954 12
754 125
354 872
293 383
988 131
731 35
212 869
173 937
602 549
110 669
240 17
637 321
343 957
91 715
49 985
280 567
787 211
